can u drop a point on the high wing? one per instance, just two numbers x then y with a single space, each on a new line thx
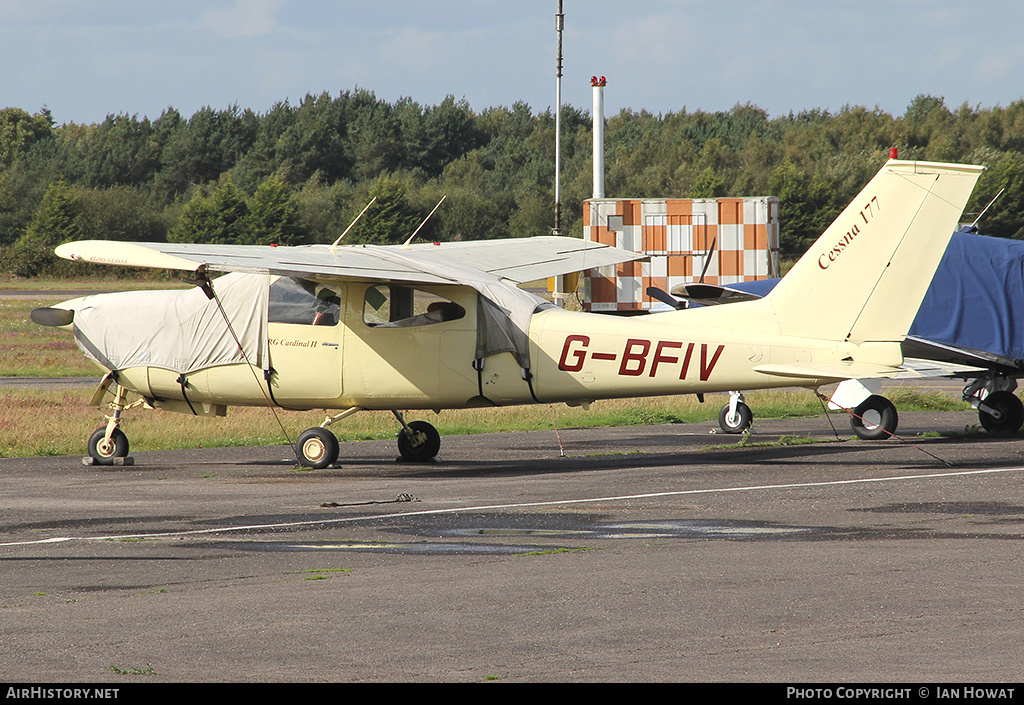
515 259
492 267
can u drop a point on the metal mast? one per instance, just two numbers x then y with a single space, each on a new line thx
559 25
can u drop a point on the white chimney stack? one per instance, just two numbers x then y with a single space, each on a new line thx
598 85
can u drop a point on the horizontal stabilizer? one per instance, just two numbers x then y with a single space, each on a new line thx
851 369
915 368
712 294
952 355
826 371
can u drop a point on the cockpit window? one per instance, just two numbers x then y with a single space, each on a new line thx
402 307
303 302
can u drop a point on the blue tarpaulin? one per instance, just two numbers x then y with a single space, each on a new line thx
976 299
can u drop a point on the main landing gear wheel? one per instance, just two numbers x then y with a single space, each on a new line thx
1011 412
738 422
102 450
875 419
419 442
317 448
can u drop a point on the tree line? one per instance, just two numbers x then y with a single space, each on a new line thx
299 174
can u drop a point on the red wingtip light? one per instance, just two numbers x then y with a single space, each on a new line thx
892 153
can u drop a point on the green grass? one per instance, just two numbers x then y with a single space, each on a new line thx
128 282
31 350
917 399
745 442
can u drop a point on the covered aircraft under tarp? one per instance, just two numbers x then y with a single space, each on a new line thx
974 307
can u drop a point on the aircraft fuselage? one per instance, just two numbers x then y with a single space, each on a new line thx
576 357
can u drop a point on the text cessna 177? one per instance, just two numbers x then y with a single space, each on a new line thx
431 326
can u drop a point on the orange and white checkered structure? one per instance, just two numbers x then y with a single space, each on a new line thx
730 240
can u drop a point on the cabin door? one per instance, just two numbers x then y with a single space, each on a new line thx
305 340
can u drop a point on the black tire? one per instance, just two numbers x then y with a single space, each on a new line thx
421 445
317 448
1011 409
104 452
875 419
744 417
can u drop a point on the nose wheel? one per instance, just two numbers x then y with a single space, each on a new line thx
103 450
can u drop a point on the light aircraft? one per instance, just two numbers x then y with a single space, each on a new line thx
965 328
443 325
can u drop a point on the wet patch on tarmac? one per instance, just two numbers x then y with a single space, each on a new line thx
459 534
503 534
669 529
423 548
586 526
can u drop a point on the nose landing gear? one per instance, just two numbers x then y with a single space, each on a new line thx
108 444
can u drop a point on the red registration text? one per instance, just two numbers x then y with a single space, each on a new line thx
640 357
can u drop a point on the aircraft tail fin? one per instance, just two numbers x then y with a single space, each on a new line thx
864 279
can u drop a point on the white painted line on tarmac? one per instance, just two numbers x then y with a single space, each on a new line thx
519 505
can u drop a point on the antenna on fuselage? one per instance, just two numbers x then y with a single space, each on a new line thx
352 224
408 242
707 259
983 210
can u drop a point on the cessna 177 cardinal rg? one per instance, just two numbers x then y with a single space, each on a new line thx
433 326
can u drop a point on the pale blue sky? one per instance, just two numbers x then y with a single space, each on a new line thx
87 58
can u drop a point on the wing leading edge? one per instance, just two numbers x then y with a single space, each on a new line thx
515 259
